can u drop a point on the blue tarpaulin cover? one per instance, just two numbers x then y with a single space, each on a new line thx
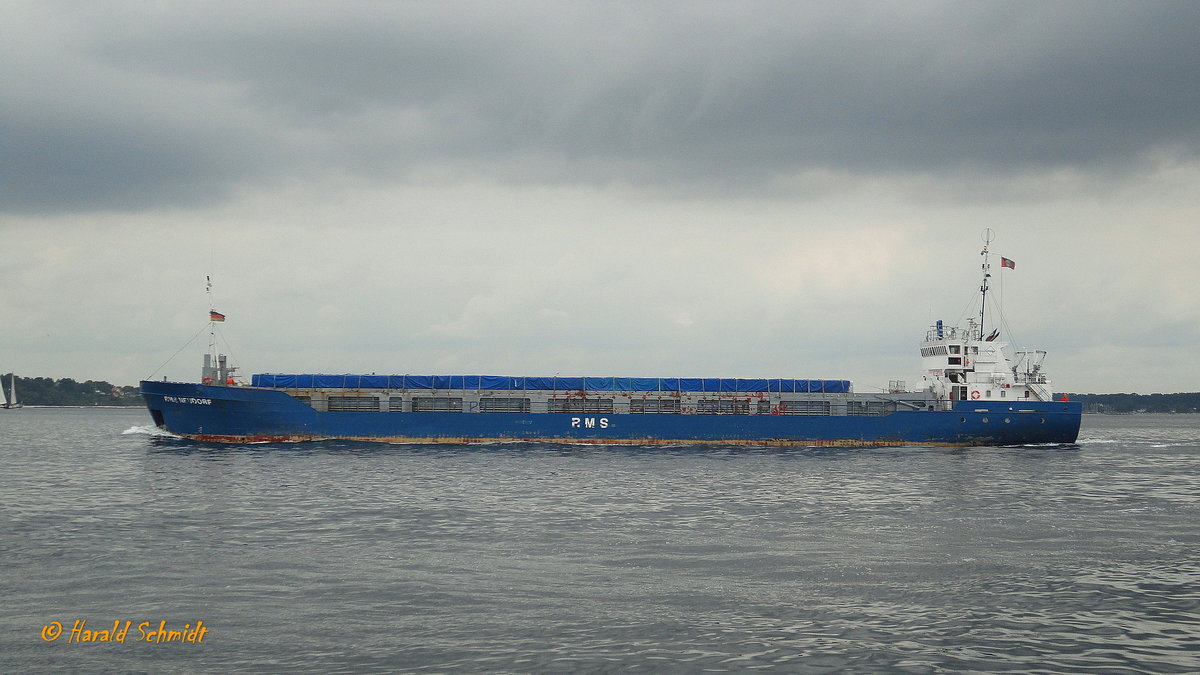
505 382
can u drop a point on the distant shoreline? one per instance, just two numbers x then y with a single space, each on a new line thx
135 406
1138 403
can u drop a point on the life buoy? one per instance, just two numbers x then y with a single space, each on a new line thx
206 380
974 395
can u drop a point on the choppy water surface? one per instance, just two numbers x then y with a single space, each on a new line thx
339 557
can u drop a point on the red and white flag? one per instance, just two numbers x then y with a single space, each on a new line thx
1005 262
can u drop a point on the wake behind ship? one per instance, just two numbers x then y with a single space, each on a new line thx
976 391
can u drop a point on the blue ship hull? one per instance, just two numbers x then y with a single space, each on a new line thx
253 414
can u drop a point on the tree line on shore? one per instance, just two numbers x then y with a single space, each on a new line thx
1119 404
45 391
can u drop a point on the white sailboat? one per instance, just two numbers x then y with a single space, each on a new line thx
10 402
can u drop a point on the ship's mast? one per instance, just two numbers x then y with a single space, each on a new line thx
216 369
988 236
212 325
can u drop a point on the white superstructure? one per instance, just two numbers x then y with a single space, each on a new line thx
962 364
968 364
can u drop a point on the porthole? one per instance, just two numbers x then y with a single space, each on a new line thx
962 419
1007 421
985 420
1042 420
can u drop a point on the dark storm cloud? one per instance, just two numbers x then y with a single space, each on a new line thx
129 107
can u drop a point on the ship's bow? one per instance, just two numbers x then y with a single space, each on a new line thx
227 413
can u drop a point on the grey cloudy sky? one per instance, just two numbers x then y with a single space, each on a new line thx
675 188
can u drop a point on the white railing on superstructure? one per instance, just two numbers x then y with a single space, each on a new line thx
952 333
1030 378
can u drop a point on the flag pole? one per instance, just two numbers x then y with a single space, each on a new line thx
212 333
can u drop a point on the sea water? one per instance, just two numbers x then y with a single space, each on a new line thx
356 557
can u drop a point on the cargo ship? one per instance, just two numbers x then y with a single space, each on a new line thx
976 390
